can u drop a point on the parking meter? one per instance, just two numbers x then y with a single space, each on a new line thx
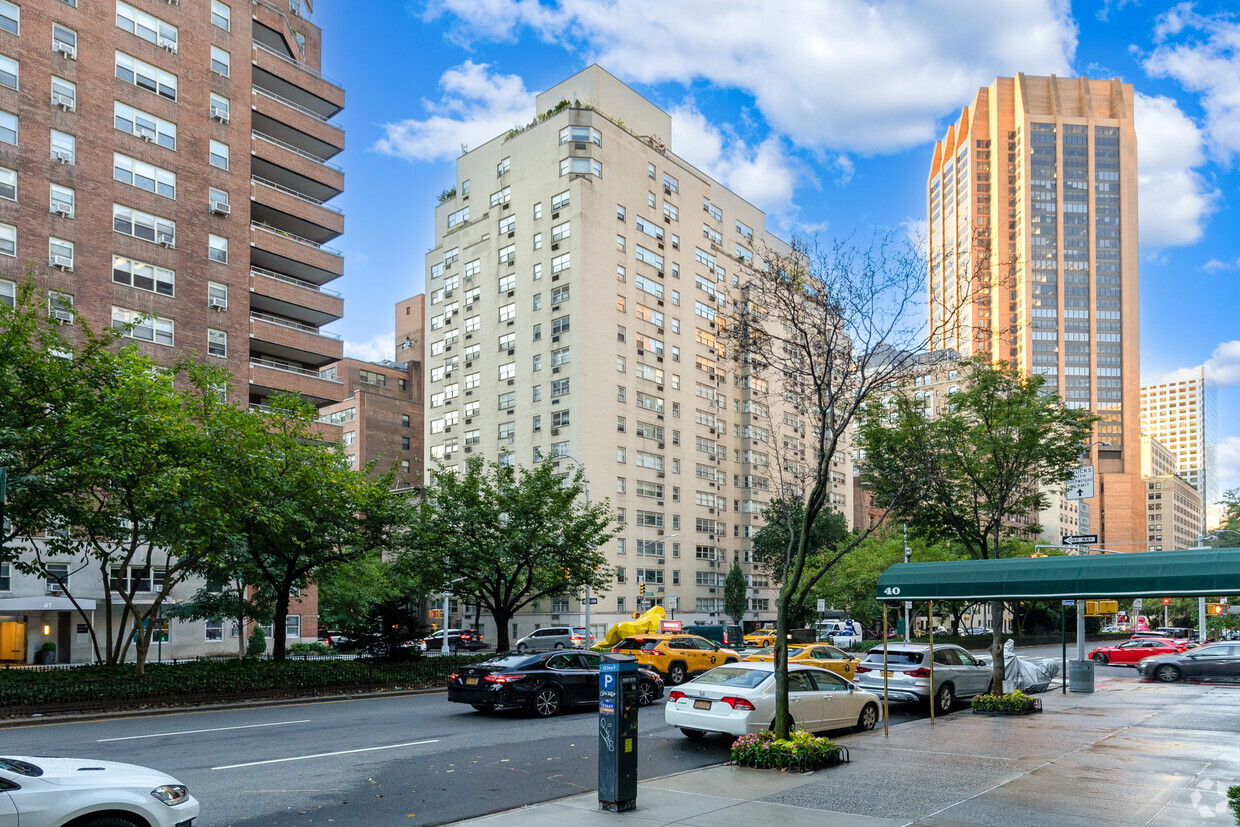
617 736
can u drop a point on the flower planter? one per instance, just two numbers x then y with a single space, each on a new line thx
998 713
802 752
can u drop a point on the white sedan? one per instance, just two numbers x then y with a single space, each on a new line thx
740 698
51 792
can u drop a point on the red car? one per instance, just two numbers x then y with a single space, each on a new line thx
1131 651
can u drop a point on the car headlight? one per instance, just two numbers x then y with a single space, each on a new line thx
171 794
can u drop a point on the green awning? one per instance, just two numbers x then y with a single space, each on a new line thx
1193 572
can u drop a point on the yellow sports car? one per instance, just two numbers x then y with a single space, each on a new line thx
825 655
760 637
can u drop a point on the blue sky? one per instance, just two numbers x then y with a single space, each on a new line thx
821 112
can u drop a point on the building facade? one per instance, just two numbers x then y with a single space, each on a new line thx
1180 410
1174 513
168 165
1032 198
576 296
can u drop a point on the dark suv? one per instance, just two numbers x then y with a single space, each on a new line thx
729 635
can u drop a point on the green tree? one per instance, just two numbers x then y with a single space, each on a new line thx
976 473
771 545
735 591
371 600
510 535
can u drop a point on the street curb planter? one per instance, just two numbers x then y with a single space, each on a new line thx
802 752
1013 703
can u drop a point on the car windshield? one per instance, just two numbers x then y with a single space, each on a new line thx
648 645
20 767
631 643
894 657
733 677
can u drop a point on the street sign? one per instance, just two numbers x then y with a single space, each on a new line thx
1080 485
822 604
1082 512
672 602
1136 606
593 601
1069 602
1080 539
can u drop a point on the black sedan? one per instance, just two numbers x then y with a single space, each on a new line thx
543 683
1215 662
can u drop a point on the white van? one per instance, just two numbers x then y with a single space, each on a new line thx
838 632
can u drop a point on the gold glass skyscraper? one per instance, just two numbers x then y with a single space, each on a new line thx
1033 258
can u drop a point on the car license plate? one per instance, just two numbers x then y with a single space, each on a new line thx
887 674
471 681
701 704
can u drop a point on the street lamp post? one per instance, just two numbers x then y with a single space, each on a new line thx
908 555
447 593
642 579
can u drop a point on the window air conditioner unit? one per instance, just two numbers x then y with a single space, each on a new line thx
219 113
167 45
146 135
174 2
68 50
61 208
63 316
220 208
61 263
164 240
217 303
62 156
55 588
63 101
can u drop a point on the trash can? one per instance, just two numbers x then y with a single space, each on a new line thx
1080 676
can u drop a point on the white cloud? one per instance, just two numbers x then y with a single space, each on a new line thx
763 174
376 349
1209 66
1228 463
476 106
1223 366
1174 199
1215 265
864 76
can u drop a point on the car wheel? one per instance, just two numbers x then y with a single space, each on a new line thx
694 734
645 693
1167 673
676 674
559 646
106 821
1100 657
944 699
730 660
520 648
483 708
868 718
792 724
546 702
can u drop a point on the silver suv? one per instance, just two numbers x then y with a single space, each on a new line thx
555 637
957 674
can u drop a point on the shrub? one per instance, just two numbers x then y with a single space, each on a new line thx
307 649
1012 703
802 752
257 645
1233 801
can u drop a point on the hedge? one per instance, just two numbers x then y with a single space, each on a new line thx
85 688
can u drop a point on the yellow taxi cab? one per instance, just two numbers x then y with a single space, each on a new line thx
829 657
760 637
674 656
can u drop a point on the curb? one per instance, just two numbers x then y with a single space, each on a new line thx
88 717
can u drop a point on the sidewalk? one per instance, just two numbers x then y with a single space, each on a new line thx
1129 754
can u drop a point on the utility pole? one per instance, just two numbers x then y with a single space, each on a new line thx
908 555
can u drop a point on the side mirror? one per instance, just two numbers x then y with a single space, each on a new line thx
716 645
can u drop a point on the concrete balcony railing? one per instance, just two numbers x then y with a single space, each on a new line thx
286 209
296 125
284 252
292 167
303 301
269 376
295 81
287 340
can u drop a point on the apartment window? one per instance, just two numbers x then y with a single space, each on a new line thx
560 263
458 217
60 253
670 184
218 292
8 128
8 184
620 243
143 327
217 343
508 253
64 94
214 629
64 41
64 147
139 123
559 325
8 72
292 626
219 155
143 276
560 201
146 76
141 225
559 294
508 371
217 248
146 26
371 377
501 196
220 108
216 198
620 212
650 171
503 167
221 15
537 241
221 61
8 240
671 211
580 134
144 176
538 301
10 17
508 312
559 387
57 577
581 166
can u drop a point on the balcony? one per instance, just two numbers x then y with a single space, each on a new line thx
288 340
269 377
295 81
275 160
293 124
280 295
284 252
291 211
324 431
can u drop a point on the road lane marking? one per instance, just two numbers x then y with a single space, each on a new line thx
324 755
197 731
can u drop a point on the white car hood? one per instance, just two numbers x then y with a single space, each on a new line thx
88 772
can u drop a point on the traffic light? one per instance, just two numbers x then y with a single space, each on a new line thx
641 589
1216 608
1166 601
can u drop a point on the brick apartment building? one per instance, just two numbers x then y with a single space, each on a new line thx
184 149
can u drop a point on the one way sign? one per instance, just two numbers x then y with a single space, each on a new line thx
1081 484
1080 539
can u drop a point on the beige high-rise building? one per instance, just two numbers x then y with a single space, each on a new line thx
1173 511
575 303
1179 410
1033 256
